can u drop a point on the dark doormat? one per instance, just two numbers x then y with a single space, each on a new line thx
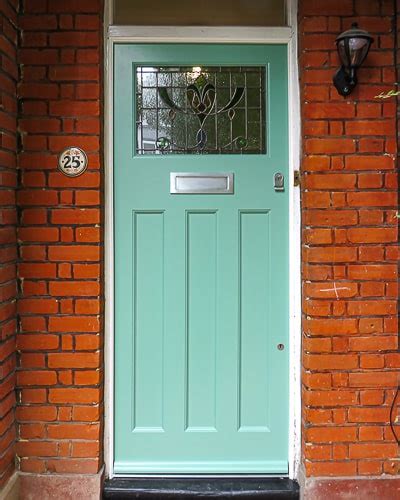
280 488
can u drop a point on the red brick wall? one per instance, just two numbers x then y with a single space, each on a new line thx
60 373
350 358
8 240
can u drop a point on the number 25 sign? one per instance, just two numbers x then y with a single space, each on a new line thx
72 161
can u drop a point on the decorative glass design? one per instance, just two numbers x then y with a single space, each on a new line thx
200 110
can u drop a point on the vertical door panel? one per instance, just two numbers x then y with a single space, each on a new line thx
254 320
201 315
148 321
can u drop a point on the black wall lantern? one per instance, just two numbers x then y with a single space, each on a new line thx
353 46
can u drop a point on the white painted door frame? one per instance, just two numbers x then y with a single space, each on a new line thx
183 34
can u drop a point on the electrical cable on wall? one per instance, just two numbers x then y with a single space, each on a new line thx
394 417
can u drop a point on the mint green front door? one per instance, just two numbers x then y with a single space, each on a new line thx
201 259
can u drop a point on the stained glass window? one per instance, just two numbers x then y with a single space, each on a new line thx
200 110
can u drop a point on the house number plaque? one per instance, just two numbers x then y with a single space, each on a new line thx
72 162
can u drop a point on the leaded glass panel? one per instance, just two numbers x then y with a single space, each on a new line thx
200 110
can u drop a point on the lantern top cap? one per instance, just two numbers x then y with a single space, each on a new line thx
354 32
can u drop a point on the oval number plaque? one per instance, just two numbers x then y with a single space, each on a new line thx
72 161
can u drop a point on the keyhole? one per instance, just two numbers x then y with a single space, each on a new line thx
280 347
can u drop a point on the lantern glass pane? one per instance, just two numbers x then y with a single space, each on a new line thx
357 51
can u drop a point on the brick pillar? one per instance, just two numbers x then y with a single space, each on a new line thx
8 240
60 374
350 358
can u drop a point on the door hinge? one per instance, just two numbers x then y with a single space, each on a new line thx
296 178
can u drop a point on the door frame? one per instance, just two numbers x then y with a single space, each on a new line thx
156 34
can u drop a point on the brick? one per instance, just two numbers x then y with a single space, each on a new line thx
373 379
87 342
36 413
331 254
372 307
369 162
330 398
82 271
89 377
330 146
375 450
330 361
37 197
37 306
75 108
331 218
74 431
36 377
38 234
74 288
86 413
32 431
74 395
37 342
74 324
87 143
87 91
37 448
332 434
330 181
370 467
372 199
372 289
87 306
40 23
332 468
89 180
372 272
330 290
76 253
34 216
39 90
87 197
371 397
76 216
329 110
73 360
78 72
85 449
316 199
372 235
371 361
368 127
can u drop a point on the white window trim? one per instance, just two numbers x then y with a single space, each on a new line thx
184 34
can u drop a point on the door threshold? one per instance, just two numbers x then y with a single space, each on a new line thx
199 475
221 487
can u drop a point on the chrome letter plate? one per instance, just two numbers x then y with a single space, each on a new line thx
199 183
